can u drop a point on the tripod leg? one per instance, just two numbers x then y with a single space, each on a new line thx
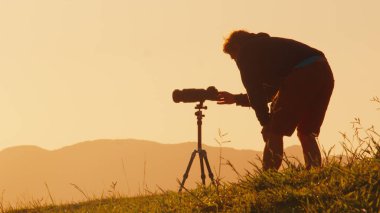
210 174
187 170
203 176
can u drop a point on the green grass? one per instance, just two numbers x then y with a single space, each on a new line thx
349 183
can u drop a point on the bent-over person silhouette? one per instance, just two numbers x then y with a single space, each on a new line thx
295 78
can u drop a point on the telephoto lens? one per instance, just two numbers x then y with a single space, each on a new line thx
195 95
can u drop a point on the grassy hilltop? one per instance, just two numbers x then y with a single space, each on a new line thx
346 183
349 183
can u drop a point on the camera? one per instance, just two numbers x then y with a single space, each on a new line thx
195 95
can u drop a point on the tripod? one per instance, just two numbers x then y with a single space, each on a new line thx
202 153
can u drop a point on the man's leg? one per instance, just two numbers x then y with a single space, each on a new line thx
286 110
273 152
311 152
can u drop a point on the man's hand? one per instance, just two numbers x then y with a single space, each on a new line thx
225 98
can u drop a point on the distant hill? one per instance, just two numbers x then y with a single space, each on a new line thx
135 166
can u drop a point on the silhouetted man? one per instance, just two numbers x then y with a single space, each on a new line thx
295 78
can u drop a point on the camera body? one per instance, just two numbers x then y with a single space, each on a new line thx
195 95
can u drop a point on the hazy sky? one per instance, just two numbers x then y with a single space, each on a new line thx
76 70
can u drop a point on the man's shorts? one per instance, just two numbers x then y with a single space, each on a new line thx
302 100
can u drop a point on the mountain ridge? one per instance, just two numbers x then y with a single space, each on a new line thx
135 165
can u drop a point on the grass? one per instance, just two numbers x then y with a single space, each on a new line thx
346 183
349 183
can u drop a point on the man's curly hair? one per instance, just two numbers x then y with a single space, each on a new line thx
236 38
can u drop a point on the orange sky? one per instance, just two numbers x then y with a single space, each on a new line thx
81 70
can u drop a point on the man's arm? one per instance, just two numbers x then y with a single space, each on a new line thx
228 98
259 103
251 74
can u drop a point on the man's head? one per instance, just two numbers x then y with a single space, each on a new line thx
233 43
237 39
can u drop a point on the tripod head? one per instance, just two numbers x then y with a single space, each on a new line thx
199 113
200 106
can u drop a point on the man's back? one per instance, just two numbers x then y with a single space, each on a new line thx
273 58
